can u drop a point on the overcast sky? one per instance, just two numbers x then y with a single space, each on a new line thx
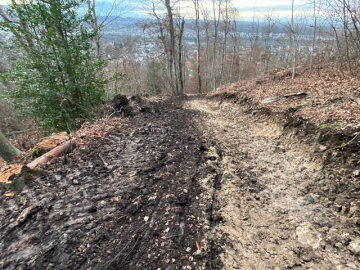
279 8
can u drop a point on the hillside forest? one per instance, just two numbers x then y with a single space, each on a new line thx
194 135
186 47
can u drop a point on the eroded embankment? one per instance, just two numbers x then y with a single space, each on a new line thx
277 205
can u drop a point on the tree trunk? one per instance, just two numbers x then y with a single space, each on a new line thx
172 46
198 66
313 39
293 43
180 60
207 57
347 53
95 26
216 27
226 22
7 151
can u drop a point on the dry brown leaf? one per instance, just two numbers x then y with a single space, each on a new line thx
117 199
9 194
201 246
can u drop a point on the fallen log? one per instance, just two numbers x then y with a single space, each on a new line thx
56 152
282 97
48 144
13 177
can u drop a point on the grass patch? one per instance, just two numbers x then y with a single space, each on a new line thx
332 126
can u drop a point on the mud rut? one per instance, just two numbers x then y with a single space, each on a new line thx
269 219
197 185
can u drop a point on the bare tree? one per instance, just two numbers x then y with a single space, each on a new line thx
206 27
315 16
344 21
234 35
267 30
198 43
117 9
170 25
293 40
216 22
226 22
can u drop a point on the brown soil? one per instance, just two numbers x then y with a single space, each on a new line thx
276 199
194 185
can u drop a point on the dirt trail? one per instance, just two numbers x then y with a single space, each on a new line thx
194 185
267 217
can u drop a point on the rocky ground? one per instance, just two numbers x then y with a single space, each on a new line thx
194 184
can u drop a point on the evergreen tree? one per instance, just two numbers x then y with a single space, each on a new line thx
59 79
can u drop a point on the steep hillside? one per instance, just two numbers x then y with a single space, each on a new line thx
219 182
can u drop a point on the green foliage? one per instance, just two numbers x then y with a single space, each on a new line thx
60 81
154 78
334 125
36 152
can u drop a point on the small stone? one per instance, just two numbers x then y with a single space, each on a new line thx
309 199
354 209
188 249
75 182
354 246
352 265
307 235
357 222
92 209
199 254
338 245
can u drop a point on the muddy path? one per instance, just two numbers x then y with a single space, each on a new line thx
195 185
268 216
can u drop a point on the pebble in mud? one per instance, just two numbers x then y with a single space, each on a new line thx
75 181
354 246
